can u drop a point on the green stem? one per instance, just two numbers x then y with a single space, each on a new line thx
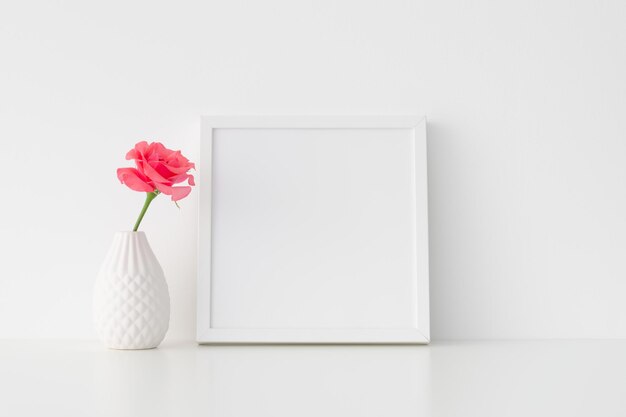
149 198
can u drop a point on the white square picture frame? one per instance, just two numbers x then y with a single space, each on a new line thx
313 229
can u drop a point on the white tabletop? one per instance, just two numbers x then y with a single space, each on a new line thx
512 378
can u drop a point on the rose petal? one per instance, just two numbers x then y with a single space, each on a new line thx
177 193
177 179
137 151
178 160
149 153
151 173
162 151
167 171
133 154
157 152
134 179
139 164
162 169
174 169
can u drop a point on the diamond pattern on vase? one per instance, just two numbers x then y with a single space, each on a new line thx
131 298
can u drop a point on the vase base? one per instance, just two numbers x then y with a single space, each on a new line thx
131 348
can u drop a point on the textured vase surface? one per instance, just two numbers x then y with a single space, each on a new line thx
131 303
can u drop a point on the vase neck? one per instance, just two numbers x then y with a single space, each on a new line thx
130 251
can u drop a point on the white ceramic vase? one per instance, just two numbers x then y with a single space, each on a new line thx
131 302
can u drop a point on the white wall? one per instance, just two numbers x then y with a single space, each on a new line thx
527 108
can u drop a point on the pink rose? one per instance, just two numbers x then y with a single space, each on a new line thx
158 170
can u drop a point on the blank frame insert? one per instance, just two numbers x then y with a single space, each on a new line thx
313 230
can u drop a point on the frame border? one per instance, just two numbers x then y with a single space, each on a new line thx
419 334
